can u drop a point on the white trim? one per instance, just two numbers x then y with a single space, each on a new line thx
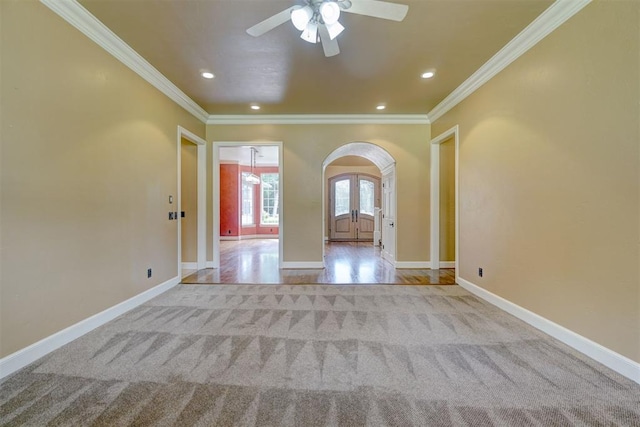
210 264
201 196
215 152
27 355
599 353
389 169
229 238
434 202
75 14
447 264
190 266
308 119
435 194
412 264
559 12
308 265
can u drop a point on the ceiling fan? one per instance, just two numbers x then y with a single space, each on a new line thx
318 19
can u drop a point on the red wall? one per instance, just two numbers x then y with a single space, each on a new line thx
229 200
230 176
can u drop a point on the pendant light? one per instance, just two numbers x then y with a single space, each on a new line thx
253 178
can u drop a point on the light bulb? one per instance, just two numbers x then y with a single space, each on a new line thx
310 33
301 17
330 12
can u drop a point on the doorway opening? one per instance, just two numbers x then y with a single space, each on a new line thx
358 182
191 202
445 235
247 207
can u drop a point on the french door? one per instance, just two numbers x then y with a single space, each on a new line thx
352 199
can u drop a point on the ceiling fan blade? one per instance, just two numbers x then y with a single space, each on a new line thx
378 9
271 23
329 46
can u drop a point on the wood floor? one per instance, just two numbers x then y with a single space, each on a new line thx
256 261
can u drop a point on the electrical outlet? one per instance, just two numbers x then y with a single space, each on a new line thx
148 273
480 271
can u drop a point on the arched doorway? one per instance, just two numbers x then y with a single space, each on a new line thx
387 211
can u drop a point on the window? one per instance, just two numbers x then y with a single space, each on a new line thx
270 203
247 201
342 202
366 197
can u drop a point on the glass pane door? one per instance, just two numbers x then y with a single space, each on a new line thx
367 197
342 197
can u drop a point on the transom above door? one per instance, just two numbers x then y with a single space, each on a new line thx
352 202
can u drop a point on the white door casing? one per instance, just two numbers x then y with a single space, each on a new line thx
201 197
435 197
388 249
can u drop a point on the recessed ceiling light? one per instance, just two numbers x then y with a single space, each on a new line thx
255 107
428 75
381 107
207 75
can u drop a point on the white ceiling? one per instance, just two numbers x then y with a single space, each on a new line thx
266 155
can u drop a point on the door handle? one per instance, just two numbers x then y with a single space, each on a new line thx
356 215
351 215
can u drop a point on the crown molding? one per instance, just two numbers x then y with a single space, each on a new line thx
310 119
548 21
75 14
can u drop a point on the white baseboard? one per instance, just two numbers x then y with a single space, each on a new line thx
599 353
302 265
447 264
190 266
250 236
413 264
27 355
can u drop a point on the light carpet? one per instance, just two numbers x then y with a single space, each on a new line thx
317 355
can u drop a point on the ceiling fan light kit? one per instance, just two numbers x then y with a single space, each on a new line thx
310 33
301 16
318 19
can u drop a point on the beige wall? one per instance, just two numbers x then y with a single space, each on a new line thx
549 175
305 148
88 162
189 200
448 201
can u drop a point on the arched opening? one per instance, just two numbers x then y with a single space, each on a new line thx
377 224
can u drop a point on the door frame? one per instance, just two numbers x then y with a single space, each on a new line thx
386 172
201 183
216 194
435 197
